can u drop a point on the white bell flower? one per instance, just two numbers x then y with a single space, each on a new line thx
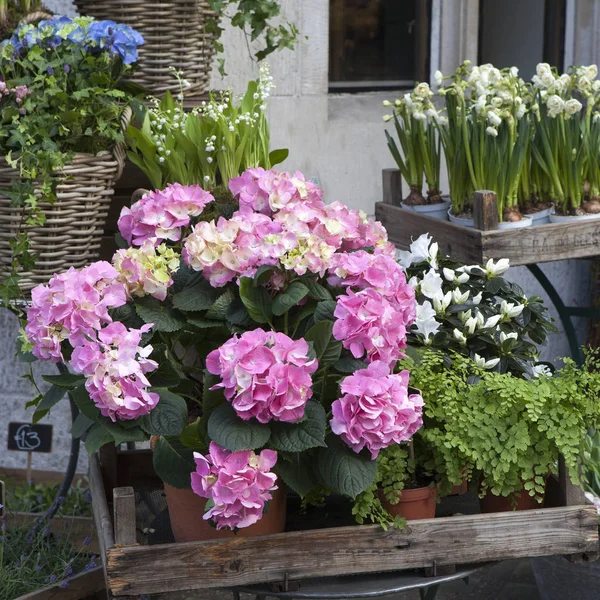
460 297
442 302
485 364
508 336
465 315
458 335
541 371
449 274
492 322
431 284
510 310
471 325
419 251
480 320
425 323
493 269
477 299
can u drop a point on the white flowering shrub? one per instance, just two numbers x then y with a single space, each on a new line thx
474 311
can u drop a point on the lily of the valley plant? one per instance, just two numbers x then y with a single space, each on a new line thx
260 345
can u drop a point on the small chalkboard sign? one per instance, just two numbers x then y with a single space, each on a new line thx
26 437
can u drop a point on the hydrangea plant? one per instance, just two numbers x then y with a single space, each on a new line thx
60 92
257 341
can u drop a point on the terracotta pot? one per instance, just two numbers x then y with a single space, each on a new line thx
459 490
414 504
491 504
186 510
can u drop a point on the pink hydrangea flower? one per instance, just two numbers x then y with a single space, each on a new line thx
376 409
147 270
269 191
360 271
367 323
239 484
73 306
265 375
162 214
116 367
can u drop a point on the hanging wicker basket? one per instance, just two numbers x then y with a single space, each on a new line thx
75 221
175 36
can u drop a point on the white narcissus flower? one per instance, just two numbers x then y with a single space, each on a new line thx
485 364
423 91
514 71
477 299
542 68
510 310
508 336
491 131
431 284
493 118
494 269
460 297
521 110
555 105
438 78
492 322
458 335
425 323
591 72
419 116
572 106
441 303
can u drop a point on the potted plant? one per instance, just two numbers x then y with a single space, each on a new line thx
210 145
418 157
12 12
62 111
201 20
258 344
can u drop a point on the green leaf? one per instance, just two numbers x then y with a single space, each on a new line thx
53 396
230 431
276 157
67 381
221 305
191 436
160 314
257 301
316 290
295 292
85 404
349 364
297 437
342 470
125 431
173 462
80 425
296 471
326 347
200 296
97 437
324 310
169 416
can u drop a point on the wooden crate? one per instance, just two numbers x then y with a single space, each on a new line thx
530 245
133 569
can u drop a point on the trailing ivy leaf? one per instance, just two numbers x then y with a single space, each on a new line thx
297 437
228 430
67 381
97 437
257 301
173 462
316 290
297 473
191 436
324 310
220 306
168 417
342 470
327 348
53 396
85 404
349 364
295 292
160 314
200 296
80 425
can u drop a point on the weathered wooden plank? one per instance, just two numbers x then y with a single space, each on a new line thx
124 516
403 226
485 210
351 550
543 243
80 586
392 186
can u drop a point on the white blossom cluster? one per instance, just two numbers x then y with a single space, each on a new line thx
442 287
417 104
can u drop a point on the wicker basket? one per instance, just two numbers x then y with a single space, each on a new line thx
174 34
75 221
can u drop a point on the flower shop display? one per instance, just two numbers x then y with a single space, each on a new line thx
210 145
63 111
162 23
257 348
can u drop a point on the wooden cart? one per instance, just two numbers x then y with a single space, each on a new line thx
133 568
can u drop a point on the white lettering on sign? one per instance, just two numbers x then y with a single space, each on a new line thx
26 439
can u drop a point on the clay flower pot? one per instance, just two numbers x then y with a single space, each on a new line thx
414 504
186 511
517 501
